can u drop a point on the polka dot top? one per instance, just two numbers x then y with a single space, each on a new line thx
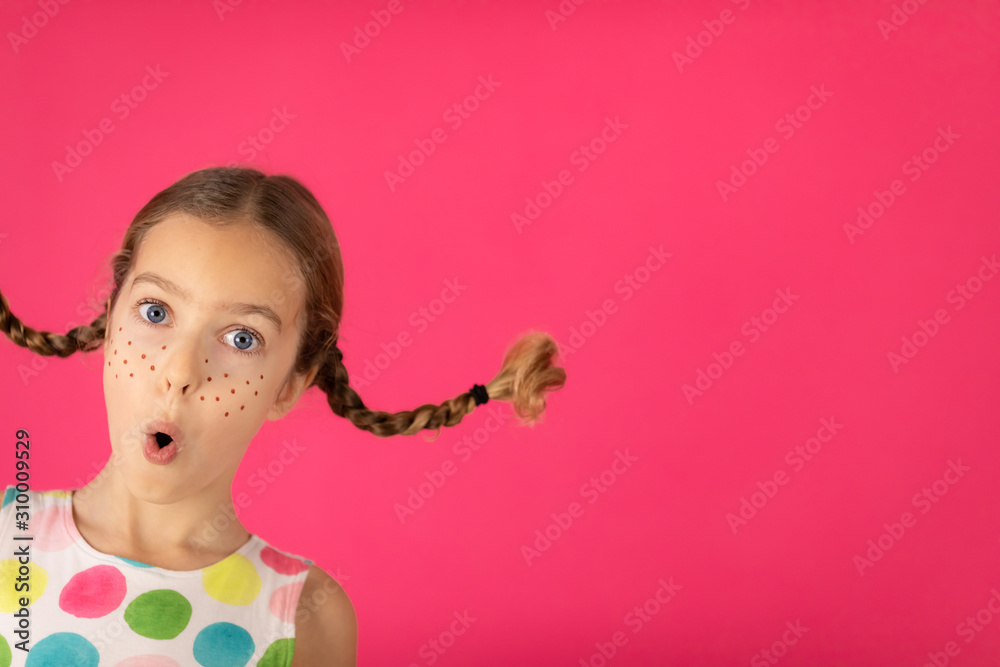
79 607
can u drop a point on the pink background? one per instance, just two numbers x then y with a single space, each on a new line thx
656 185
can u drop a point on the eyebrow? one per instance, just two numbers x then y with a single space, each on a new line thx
237 308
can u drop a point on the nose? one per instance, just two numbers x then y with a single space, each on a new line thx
178 370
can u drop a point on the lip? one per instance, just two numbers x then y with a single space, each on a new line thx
151 449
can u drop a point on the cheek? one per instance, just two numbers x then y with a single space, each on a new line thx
130 357
230 395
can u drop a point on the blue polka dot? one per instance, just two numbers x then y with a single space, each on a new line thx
223 645
132 562
63 649
8 496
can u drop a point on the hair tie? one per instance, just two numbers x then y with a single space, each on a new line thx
478 392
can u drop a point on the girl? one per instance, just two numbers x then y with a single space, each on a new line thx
231 293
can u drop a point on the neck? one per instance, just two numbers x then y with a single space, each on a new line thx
169 530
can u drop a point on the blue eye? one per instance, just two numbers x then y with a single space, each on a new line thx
242 340
156 313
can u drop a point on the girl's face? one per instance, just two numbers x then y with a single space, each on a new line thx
203 335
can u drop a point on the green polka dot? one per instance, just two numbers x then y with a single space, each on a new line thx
4 652
160 614
278 654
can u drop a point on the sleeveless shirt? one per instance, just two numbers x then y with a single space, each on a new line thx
73 606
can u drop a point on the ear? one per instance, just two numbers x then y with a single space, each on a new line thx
290 393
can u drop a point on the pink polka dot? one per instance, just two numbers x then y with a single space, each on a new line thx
50 528
284 601
95 592
281 563
148 661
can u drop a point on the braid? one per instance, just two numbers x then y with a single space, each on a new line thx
527 372
78 339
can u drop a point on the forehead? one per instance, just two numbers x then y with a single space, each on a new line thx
215 265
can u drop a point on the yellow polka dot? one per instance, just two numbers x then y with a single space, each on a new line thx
57 494
36 580
232 581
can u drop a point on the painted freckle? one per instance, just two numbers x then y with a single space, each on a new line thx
232 391
209 379
242 406
116 351
130 342
261 377
206 361
119 328
203 398
124 361
227 414
152 368
116 376
225 375
255 393
130 375
248 381
144 356
164 347
216 398
109 363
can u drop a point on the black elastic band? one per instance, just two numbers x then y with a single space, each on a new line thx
478 392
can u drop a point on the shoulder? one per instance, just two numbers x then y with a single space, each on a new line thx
326 626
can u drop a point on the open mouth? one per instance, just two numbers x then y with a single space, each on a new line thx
162 439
